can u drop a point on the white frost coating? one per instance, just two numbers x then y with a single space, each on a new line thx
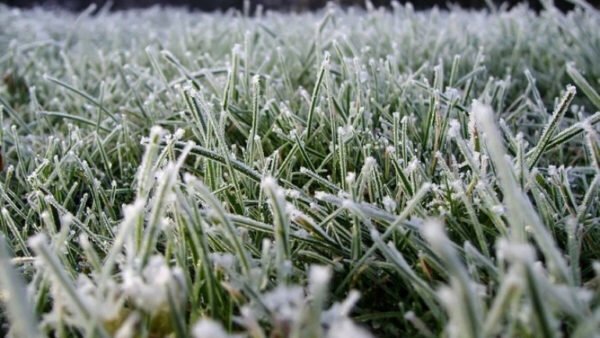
179 133
515 252
349 303
374 233
66 219
285 302
345 328
325 63
292 193
412 166
156 130
105 308
223 260
350 178
321 195
346 131
37 240
389 204
434 233
447 296
359 33
364 76
454 128
269 183
255 80
302 233
237 49
149 289
84 241
370 162
319 275
208 328
348 204
483 113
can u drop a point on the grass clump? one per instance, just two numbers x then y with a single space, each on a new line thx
339 173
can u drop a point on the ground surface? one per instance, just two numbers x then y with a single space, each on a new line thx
341 173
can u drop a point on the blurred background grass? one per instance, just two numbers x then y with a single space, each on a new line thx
210 5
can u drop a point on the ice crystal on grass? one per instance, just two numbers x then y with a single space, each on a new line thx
149 289
206 328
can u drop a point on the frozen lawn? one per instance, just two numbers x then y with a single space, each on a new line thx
344 173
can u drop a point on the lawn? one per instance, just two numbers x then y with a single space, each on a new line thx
339 173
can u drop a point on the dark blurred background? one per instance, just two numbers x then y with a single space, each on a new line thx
295 5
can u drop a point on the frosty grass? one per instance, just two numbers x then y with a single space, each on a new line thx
344 173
